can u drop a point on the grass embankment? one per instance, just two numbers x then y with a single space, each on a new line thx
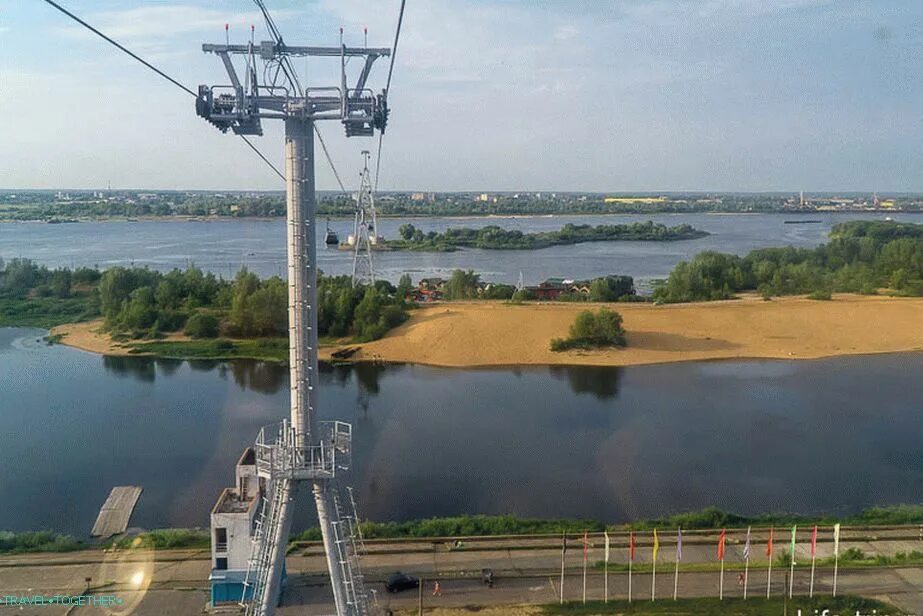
45 312
485 526
727 607
710 518
265 349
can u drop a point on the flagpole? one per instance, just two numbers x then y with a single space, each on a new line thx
679 557
769 578
653 580
584 565
629 581
836 566
721 583
606 575
676 579
746 576
631 559
654 567
747 562
811 591
791 582
563 552
769 571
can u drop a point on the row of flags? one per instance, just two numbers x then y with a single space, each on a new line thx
722 543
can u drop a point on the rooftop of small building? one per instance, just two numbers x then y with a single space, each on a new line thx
231 501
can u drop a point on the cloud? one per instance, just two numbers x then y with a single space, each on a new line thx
145 24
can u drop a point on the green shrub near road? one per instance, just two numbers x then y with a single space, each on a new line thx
38 541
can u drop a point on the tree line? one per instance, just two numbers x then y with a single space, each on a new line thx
142 303
860 257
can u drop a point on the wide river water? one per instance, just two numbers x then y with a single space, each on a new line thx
750 436
222 246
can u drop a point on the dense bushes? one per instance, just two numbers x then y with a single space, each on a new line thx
861 257
593 330
39 541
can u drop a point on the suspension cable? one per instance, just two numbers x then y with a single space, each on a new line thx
381 134
329 159
156 70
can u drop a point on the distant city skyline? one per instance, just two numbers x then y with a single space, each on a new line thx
560 96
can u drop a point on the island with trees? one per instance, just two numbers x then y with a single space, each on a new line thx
493 237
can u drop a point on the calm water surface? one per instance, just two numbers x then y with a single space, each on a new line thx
832 435
223 246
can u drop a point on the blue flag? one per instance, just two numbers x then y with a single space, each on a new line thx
747 546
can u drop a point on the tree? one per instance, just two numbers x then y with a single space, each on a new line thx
406 231
404 286
202 325
462 285
593 330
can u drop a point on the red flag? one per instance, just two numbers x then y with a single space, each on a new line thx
631 546
769 543
721 545
584 545
814 542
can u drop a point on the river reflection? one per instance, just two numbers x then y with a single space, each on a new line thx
607 443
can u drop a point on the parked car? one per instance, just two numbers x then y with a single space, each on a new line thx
397 582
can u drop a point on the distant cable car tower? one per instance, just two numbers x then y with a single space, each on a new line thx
365 229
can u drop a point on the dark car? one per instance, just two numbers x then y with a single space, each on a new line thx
401 581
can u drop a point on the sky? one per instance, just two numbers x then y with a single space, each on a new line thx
567 95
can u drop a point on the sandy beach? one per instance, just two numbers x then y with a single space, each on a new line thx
470 334
497 334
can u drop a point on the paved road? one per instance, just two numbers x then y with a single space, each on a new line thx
527 570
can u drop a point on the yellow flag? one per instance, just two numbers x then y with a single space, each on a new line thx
656 545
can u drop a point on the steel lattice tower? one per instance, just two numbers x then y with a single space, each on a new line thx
301 451
365 229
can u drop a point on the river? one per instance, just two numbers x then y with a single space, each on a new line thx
832 435
223 246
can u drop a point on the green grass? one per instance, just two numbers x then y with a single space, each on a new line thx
266 349
38 541
165 539
45 312
728 607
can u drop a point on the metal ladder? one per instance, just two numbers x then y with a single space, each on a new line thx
347 539
261 547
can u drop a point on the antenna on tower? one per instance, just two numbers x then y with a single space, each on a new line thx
365 229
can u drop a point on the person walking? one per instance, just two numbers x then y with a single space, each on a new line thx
437 590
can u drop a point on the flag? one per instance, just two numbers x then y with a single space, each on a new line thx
794 530
769 543
679 545
721 539
631 545
563 544
814 542
836 539
584 545
656 545
747 546
606 534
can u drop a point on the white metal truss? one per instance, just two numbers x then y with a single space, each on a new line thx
365 229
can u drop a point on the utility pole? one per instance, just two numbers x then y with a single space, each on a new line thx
300 451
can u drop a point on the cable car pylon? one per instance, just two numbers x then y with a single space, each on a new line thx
365 229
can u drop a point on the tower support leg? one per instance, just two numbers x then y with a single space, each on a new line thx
302 287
